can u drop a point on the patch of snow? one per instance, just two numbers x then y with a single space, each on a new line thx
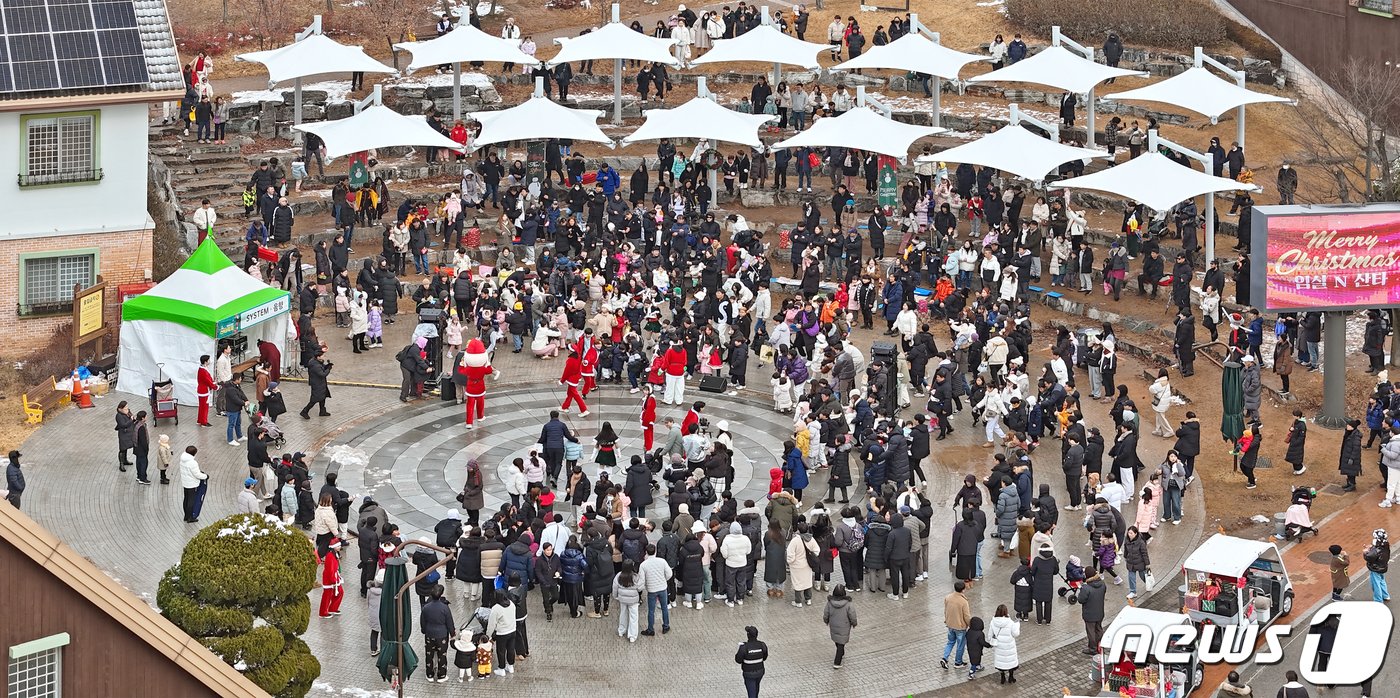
347 455
1259 518
336 90
240 665
256 97
254 528
441 80
992 3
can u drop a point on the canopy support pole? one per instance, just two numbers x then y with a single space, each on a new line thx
456 92
1017 117
375 98
1154 142
1200 60
863 100
935 37
766 20
311 30
1059 39
617 72
702 89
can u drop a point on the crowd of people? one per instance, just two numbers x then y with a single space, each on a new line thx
641 285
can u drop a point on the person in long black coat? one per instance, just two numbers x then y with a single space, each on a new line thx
966 537
1297 442
1184 344
317 370
638 486
1350 462
389 291
1044 568
1021 581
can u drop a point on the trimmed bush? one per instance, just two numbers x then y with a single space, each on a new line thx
235 573
1185 23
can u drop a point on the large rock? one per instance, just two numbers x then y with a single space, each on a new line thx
307 96
752 198
339 110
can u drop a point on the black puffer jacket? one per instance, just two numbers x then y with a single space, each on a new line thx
877 539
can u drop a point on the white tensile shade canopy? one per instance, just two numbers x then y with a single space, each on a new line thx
539 118
1056 67
701 118
317 54
1154 180
611 41
913 52
464 44
864 129
376 127
1018 151
1199 90
764 44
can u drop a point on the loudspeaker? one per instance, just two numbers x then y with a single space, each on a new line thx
711 384
884 351
432 315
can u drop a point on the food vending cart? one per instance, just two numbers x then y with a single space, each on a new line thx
1150 677
1236 581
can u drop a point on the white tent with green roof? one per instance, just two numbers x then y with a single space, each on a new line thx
166 329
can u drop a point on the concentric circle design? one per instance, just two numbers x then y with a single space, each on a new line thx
417 457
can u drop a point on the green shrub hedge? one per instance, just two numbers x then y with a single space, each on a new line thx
235 572
1183 23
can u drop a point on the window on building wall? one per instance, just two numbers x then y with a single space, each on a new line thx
1384 8
46 280
60 149
36 668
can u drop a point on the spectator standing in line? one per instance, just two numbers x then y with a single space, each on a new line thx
1091 611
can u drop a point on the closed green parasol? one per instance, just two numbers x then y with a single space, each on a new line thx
396 623
1232 394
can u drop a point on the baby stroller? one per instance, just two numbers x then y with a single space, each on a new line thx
1073 579
1297 520
163 402
275 440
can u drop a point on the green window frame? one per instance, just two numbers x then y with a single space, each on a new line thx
36 668
60 148
46 279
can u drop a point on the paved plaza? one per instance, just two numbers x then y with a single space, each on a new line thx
414 460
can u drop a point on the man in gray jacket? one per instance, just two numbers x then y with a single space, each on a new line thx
655 573
1390 458
1251 386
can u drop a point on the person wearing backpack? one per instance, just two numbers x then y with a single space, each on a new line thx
633 542
850 547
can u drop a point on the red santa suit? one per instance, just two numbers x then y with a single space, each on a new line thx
648 420
676 361
204 388
691 418
332 586
573 374
587 350
475 367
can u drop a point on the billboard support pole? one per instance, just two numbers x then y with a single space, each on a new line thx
1334 370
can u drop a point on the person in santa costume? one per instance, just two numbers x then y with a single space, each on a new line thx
648 417
587 348
573 374
692 418
475 366
332 586
204 389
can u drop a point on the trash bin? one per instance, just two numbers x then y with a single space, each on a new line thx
1280 529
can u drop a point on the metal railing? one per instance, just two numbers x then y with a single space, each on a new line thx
70 177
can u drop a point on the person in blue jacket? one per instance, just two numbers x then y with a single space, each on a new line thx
609 179
893 297
795 468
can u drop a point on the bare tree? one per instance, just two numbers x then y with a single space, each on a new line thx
391 19
1346 132
270 21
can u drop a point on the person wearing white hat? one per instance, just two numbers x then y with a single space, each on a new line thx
1251 386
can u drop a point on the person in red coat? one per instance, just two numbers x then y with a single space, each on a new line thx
587 348
267 351
675 375
573 374
332 586
204 389
475 367
648 417
692 418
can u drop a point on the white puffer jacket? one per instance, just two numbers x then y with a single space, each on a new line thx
1002 634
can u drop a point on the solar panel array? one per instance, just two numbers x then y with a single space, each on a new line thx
69 44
